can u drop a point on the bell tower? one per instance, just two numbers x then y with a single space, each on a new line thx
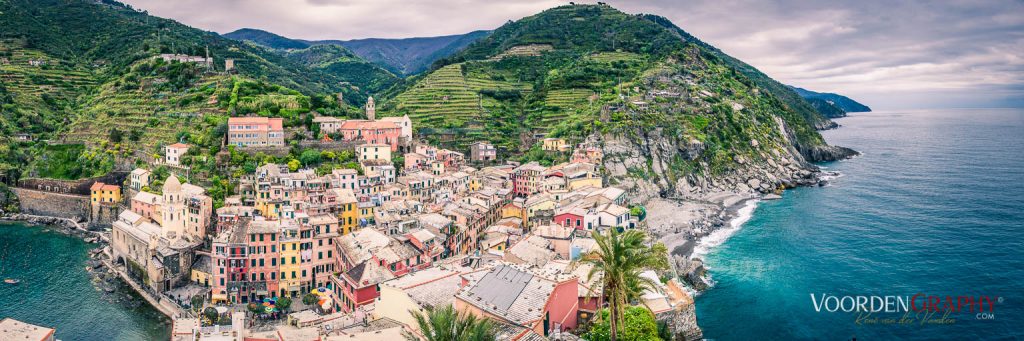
371 111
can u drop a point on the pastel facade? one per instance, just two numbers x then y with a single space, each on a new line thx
174 152
256 131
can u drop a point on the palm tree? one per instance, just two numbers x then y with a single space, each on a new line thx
621 257
446 324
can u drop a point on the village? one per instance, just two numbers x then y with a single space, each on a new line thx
354 253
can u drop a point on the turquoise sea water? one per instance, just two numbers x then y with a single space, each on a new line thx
56 290
935 206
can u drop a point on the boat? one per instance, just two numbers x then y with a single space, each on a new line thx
12 281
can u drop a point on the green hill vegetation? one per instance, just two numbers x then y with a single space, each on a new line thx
336 60
83 80
840 102
81 84
573 70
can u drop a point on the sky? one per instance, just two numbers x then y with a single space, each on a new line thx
886 54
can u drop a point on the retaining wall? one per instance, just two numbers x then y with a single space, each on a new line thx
70 206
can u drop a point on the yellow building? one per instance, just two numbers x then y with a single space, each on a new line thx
269 210
373 152
104 193
366 211
346 207
291 263
590 180
554 144
201 273
475 184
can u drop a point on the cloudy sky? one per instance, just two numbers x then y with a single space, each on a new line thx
886 54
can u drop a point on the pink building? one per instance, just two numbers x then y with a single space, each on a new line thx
147 205
263 259
256 131
372 132
325 230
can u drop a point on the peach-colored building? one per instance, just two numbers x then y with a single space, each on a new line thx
147 205
372 132
256 131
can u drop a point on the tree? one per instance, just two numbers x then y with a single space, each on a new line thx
254 308
197 302
284 303
309 299
446 324
293 165
211 314
622 256
639 326
116 135
310 157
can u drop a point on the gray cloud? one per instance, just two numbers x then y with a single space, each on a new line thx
908 54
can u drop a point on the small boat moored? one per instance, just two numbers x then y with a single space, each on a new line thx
12 281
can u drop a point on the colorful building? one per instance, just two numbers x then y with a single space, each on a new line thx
105 194
256 131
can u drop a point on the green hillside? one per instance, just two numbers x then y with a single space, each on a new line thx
337 61
561 72
82 85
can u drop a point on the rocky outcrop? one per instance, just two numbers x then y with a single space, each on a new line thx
644 167
824 153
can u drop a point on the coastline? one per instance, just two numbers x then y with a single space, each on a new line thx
106 277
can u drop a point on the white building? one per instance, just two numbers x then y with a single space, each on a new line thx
174 152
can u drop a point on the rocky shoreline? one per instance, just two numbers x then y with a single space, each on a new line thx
685 224
104 279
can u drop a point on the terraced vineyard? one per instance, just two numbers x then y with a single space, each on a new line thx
447 98
39 86
609 57
564 101
157 117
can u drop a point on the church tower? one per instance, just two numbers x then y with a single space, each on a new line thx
371 112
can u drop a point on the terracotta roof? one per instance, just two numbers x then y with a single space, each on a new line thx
178 145
362 124
368 273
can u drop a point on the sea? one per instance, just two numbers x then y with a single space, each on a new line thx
57 292
932 211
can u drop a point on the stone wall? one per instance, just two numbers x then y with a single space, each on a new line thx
103 215
335 146
80 186
71 206
269 150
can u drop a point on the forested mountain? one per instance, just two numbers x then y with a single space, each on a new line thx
405 56
337 61
87 76
267 39
410 56
839 101
573 70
